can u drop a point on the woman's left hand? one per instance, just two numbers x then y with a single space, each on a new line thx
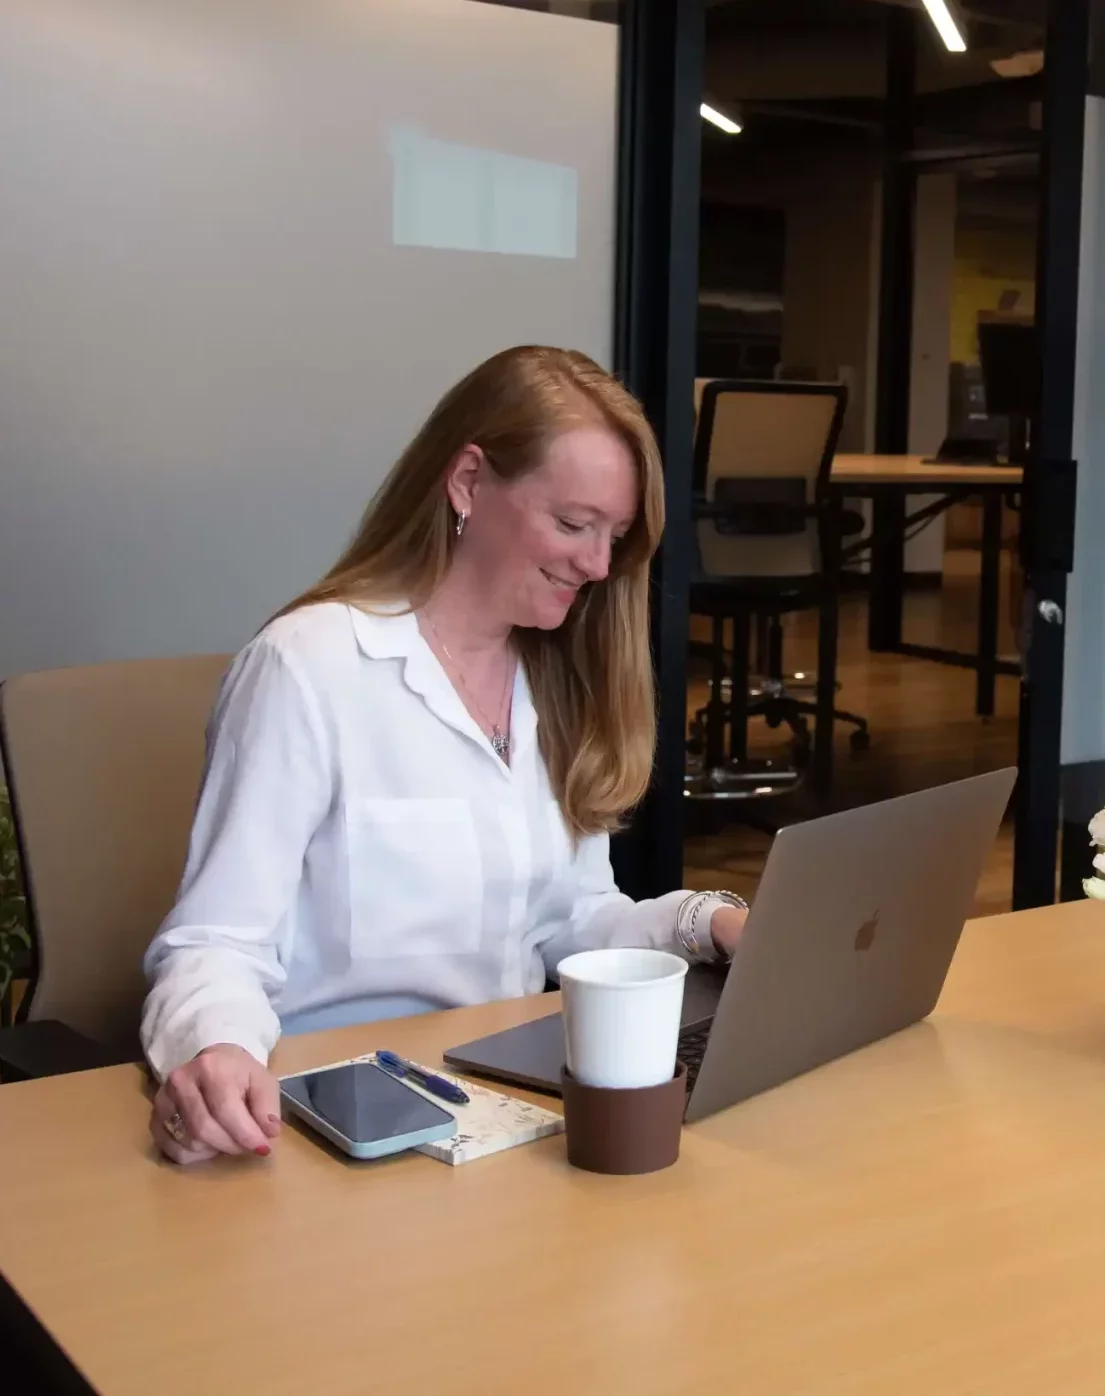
726 926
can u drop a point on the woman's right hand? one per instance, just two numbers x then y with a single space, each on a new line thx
221 1102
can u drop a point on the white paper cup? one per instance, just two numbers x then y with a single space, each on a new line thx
621 1016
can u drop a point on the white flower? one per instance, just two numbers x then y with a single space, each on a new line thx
1095 886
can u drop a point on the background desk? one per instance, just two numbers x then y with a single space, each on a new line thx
888 481
912 474
924 1216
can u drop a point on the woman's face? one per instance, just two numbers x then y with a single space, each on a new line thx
535 541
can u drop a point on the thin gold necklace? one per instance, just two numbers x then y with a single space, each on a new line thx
500 740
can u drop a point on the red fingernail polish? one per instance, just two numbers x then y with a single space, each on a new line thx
262 1151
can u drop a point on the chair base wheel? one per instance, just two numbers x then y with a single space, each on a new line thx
751 780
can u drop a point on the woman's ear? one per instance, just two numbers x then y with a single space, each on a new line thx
462 479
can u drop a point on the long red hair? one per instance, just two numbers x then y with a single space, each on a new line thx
591 679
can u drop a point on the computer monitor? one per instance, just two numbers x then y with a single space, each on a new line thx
1010 355
1009 351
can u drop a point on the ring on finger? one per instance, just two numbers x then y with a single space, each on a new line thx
174 1126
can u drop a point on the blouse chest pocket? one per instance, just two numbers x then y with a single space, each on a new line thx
415 878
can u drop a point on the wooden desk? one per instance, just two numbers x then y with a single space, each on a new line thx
911 472
888 481
923 1216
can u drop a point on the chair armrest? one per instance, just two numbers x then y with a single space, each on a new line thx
47 1047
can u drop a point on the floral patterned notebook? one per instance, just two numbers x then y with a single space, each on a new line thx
489 1123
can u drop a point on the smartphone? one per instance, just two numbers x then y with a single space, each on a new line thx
365 1112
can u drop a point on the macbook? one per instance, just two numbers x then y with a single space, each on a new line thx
853 928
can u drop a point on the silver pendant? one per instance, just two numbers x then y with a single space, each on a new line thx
500 744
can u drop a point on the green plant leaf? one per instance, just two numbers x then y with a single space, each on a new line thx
15 940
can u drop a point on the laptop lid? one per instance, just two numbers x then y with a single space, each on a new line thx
853 929
851 935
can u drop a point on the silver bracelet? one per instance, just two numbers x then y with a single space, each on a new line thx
702 949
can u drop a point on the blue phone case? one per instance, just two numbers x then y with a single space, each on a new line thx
371 1148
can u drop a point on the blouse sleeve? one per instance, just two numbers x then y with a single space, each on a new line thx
216 963
601 917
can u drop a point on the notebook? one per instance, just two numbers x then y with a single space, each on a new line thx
488 1124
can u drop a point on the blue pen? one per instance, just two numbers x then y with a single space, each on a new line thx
436 1085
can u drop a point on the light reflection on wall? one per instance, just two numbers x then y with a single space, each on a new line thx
461 197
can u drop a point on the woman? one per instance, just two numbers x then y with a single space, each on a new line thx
413 771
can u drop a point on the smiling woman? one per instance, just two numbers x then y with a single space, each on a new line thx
413 770
535 478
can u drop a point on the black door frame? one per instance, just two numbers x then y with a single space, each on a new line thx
1083 782
662 46
1048 499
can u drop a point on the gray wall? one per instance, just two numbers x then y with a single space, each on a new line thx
829 280
1084 670
831 288
933 287
212 347
828 287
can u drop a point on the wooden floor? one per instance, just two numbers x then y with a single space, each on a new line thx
924 731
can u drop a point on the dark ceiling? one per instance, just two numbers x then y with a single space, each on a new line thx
808 49
808 80
992 25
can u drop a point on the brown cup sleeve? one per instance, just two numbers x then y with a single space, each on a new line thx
624 1131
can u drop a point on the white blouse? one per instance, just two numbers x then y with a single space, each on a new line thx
360 851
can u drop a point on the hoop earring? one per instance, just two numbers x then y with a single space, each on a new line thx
462 519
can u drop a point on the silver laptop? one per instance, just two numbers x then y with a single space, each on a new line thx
854 925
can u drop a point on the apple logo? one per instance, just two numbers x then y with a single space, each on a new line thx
865 936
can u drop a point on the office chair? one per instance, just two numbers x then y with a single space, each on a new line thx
104 765
768 535
721 690
768 674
